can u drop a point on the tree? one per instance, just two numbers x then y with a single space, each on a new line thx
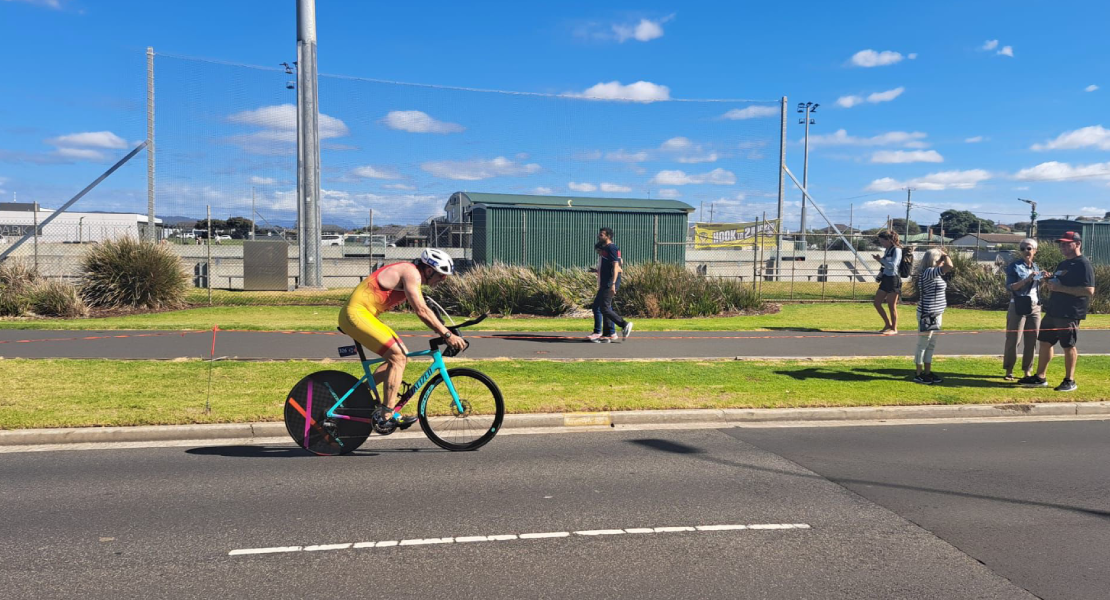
958 223
899 225
238 227
217 226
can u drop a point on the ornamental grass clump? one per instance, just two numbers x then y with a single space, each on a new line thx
129 273
16 280
54 298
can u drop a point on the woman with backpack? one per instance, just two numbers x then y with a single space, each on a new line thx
1023 319
931 302
890 283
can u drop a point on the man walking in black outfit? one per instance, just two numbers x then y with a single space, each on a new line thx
608 279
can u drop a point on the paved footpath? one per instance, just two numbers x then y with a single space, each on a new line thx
485 344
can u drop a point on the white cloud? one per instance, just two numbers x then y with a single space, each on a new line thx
256 180
582 187
1087 137
891 138
882 203
990 44
474 170
870 58
399 186
1006 51
80 153
751 112
715 177
677 144
944 180
912 56
542 191
849 101
669 193
372 172
974 140
283 117
622 156
1093 211
698 158
886 96
875 98
644 31
1058 171
279 129
641 91
415 121
1090 88
614 188
91 139
901 156
55 4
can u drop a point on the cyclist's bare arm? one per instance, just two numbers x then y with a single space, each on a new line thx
410 278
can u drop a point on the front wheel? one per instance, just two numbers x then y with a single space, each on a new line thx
467 424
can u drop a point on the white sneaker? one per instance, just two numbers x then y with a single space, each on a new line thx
602 339
626 330
593 337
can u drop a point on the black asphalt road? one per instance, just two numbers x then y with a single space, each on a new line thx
936 511
570 345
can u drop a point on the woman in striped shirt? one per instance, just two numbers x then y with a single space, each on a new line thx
931 303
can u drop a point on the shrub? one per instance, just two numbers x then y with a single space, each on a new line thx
668 291
647 290
56 299
16 280
974 285
126 272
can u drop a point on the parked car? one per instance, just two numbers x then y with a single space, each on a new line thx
331 239
221 237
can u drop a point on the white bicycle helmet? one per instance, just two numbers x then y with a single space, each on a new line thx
438 260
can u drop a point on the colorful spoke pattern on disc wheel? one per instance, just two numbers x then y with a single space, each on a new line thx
306 413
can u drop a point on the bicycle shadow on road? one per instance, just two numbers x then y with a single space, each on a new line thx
260 452
293 451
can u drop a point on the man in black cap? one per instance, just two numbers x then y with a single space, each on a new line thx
1072 285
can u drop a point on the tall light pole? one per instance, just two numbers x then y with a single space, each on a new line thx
1031 231
807 108
308 148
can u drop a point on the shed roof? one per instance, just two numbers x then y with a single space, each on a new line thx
529 201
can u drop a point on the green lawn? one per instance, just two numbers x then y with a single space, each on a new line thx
816 317
72 393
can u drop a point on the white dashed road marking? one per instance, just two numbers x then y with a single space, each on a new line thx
513 536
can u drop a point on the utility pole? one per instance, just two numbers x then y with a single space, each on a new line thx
252 213
710 213
782 190
1031 231
152 235
909 190
807 108
308 150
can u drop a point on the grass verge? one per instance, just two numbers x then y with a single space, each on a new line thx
794 317
75 393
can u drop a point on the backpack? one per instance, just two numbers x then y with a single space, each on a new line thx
905 266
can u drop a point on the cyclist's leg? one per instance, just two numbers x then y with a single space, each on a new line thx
394 372
375 336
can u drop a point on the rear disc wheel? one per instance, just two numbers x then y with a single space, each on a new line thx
306 413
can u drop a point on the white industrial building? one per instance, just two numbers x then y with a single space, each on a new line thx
19 219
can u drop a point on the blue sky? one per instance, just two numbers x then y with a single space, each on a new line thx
974 104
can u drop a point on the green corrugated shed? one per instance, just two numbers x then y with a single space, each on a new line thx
561 230
1096 236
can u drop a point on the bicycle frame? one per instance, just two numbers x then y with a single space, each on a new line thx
437 366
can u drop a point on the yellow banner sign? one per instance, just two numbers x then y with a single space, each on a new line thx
735 235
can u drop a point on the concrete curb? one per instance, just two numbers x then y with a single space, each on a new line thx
79 435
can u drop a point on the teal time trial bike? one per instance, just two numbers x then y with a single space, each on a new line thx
331 412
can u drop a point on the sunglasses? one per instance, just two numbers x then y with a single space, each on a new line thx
1024 248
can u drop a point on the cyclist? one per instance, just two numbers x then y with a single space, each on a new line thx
381 291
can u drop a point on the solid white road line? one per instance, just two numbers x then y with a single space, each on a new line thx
513 536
